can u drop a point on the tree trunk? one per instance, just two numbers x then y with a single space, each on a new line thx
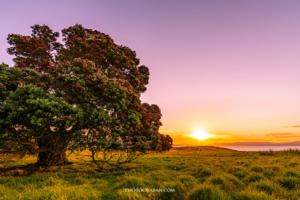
52 151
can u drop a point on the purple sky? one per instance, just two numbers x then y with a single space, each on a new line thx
231 67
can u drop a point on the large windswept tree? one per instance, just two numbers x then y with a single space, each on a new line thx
82 93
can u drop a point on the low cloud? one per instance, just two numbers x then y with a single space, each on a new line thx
284 135
294 126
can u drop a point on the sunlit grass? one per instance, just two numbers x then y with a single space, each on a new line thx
193 173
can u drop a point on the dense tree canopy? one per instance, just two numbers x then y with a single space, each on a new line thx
82 93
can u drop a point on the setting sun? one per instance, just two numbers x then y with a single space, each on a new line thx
200 134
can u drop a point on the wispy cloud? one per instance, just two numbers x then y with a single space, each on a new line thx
294 126
283 135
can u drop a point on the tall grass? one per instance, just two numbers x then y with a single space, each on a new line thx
190 172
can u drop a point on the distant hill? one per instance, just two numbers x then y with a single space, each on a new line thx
296 143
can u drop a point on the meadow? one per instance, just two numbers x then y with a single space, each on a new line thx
206 173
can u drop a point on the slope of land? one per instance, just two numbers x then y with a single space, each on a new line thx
183 173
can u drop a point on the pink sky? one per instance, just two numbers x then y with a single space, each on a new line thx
231 67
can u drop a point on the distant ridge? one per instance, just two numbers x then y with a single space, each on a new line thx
296 143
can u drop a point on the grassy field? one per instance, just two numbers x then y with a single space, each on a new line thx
184 173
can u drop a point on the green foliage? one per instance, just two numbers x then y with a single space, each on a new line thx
8 80
33 108
82 93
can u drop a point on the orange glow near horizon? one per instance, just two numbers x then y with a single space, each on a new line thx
200 134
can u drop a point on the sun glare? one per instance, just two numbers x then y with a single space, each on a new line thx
200 134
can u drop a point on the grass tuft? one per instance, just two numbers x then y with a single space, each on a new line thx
288 182
207 192
251 195
267 186
257 169
254 178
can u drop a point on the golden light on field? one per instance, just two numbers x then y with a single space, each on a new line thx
200 134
